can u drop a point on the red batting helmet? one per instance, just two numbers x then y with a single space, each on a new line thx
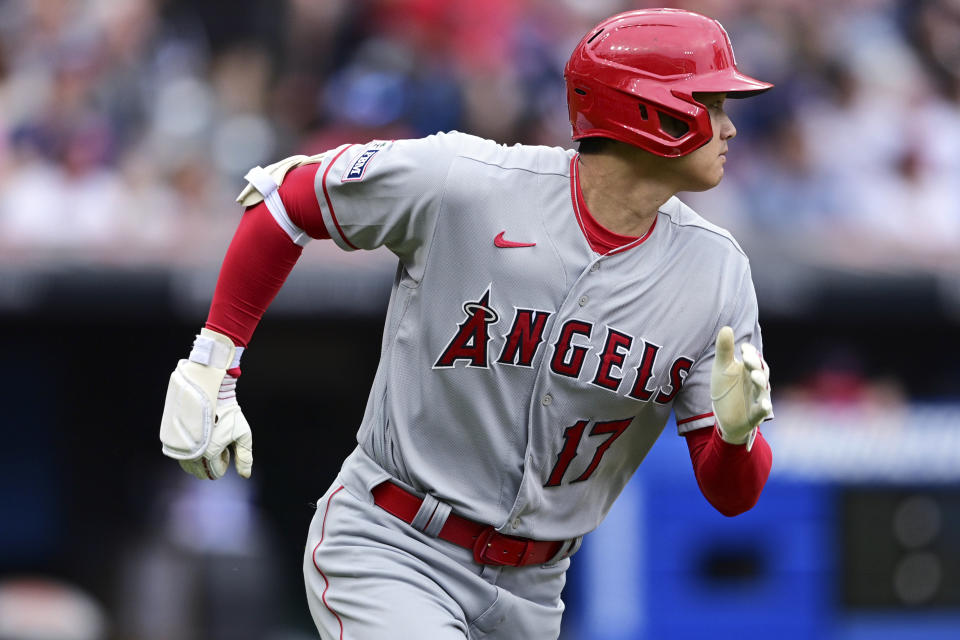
635 66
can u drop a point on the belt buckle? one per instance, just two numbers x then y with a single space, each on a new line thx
482 550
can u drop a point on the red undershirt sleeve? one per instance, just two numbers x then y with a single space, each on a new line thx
261 256
300 200
730 477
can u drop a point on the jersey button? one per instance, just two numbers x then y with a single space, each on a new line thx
595 267
547 399
583 301
516 523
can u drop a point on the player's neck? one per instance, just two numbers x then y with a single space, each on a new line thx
624 191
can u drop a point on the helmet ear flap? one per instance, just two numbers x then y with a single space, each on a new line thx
676 124
666 123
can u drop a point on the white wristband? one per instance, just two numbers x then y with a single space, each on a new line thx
214 354
237 352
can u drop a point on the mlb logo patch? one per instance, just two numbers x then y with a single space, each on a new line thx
359 166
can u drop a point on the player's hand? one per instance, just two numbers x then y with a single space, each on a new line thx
201 420
740 390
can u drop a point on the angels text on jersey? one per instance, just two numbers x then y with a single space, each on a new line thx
519 346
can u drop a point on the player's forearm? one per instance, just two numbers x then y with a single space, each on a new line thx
258 261
261 256
730 477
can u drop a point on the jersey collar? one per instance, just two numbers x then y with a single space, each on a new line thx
600 239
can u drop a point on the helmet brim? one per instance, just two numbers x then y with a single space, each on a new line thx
735 85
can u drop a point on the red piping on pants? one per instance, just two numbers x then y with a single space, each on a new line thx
326 582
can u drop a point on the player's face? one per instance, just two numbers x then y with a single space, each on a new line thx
703 168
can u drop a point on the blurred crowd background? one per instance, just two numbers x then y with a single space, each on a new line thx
127 124
125 129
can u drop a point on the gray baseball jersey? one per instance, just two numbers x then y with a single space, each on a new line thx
524 377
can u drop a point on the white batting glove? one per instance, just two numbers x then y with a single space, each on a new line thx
201 420
739 391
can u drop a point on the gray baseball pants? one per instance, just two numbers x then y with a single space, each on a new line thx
371 576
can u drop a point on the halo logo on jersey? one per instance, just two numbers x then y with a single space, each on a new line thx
470 341
359 167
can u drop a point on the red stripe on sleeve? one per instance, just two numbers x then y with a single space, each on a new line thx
258 261
730 477
692 418
326 194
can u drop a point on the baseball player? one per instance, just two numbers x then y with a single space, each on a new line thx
550 309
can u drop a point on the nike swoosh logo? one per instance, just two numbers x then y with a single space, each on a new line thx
503 243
